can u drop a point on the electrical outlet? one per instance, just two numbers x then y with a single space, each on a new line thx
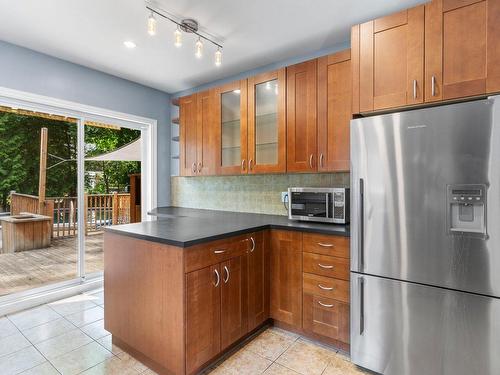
284 196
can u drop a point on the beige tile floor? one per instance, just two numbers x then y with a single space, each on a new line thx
68 337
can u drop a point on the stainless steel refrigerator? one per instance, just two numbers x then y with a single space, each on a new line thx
425 240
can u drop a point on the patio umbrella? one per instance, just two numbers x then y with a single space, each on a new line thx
129 152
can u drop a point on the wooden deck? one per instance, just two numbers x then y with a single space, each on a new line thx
34 268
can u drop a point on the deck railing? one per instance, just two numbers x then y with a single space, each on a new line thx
101 210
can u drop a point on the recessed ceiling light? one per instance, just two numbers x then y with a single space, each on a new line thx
129 44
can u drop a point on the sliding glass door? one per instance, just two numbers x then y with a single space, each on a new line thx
63 180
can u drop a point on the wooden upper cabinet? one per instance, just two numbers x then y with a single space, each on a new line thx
188 135
286 277
334 111
462 48
234 299
230 128
390 69
206 142
301 101
258 279
203 316
266 122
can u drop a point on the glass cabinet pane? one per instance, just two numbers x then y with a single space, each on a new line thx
231 128
266 122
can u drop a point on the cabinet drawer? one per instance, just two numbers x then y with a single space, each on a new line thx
325 265
327 245
204 255
326 317
326 287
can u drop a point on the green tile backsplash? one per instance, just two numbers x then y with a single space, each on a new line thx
258 194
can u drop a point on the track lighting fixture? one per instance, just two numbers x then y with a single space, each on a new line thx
152 24
187 25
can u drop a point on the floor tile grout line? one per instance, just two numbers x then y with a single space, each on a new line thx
34 347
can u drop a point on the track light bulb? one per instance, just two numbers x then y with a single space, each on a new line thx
199 48
152 24
177 37
218 57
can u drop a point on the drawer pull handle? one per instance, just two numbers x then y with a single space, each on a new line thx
322 244
219 251
253 244
325 266
324 287
325 305
218 278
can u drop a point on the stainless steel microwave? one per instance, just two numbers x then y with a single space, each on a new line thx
327 205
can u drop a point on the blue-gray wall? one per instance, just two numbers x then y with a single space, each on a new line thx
26 70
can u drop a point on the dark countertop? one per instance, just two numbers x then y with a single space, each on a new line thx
185 227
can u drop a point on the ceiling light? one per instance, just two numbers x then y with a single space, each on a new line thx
152 24
129 44
218 57
199 48
177 37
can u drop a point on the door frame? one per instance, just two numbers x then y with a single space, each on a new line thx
147 126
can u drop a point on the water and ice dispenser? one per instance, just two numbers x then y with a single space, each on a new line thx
467 209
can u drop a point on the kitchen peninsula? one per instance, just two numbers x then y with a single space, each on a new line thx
186 288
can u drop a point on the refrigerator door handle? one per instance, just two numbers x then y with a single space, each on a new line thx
361 283
361 245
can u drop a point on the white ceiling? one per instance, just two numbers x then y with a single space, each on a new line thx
254 33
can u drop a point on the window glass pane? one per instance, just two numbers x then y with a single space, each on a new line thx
266 122
38 200
231 128
112 185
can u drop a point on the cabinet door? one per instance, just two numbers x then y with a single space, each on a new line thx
266 123
334 111
205 150
286 277
462 47
203 320
188 118
231 128
258 280
326 317
301 123
391 60
234 300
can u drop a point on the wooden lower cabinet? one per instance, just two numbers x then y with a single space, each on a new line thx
178 309
203 316
326 317
234 300
258 279
286 277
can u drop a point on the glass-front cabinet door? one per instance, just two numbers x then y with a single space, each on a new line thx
231 125
266 123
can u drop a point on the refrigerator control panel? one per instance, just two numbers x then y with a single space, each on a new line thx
466 209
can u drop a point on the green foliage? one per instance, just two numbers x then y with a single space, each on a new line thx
114 174
20 156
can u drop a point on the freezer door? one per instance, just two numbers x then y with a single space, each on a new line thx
409 173
400 328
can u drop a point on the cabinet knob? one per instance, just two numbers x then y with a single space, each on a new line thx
321 159
193 167
250 164
311 160
243 165
199 167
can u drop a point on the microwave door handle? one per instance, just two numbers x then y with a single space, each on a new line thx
327 216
